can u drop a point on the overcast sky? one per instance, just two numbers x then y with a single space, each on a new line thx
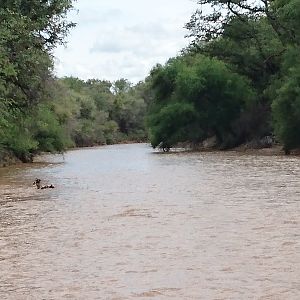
123 39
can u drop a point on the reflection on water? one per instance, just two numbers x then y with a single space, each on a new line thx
126 223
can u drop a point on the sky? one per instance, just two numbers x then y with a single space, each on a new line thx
117 39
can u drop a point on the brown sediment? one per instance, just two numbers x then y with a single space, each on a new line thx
274 150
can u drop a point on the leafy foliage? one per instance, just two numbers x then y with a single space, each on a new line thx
29 30
240 51
41 113
97 112
204 99
286 106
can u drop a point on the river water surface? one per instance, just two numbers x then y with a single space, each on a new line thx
126 223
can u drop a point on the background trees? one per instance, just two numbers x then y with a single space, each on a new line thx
97 112
197 97
240 51
286 104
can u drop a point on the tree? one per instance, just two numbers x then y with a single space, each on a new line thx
29 30
45 20
255 38
128 108
205 26
196 97
92 114
286 106
171 124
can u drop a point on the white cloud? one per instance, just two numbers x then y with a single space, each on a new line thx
115 38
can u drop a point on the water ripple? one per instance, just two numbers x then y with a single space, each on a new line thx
126 223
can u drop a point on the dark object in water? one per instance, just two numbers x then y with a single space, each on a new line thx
37 182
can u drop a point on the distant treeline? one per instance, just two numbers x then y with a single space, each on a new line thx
98 112
75 113
238 81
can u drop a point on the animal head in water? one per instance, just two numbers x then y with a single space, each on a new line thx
37 182
38 185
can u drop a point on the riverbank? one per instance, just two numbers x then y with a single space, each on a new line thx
274 150
8 158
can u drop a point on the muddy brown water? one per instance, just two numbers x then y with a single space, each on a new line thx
126 223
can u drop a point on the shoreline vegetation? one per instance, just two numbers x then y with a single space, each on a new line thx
237 81
42 113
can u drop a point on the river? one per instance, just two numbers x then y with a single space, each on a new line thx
125 222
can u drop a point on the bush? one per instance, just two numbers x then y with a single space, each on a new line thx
286 106
206 99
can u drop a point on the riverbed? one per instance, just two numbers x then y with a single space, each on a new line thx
126 222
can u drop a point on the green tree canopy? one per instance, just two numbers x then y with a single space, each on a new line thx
196 97
286 106
29 30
